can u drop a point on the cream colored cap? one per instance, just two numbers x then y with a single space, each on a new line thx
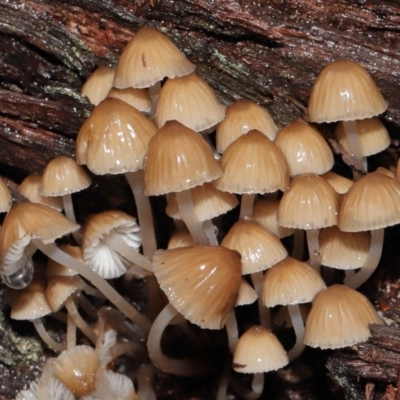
191 101
201 282
114 139
343 250
62 176
180 239
253 164
149 57
258 350
241 117
102 259
138 98
30 189
372 136
305 150
344 91
247 294
98 84
265 212
208 202
5 197
339 317
188 156
59 288
338 182
260 249
371 203
290 282
309 203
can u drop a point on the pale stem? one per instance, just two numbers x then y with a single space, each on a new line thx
70 214
121 348
57 347
298 326
190 218
71 333
53 252
265 317
371 262
249 394
353 140
246 206
79 321
232 331
257 383
145 215
145 378
298 244
115 242
313 248
211 232
159 359
154 91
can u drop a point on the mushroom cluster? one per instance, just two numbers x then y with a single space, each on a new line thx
153 122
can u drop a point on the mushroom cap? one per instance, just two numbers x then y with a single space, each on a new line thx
24 222
258 350
76 369
62 176
5 197
30 189
59 288
247 294
372 136
149 57
371 203
177 159
241 117
338 182
191 101
111 385
260 249
181 238
304 148
30 305
114 139
385 171
265 212
201 282
343 250
253 164
138 98
290 282
339 317
98 84
344 91
208 202
309 203
99 257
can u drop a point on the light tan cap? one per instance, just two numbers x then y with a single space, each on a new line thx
258 350
188 156
114 139
98 84
372 136
138 98
371 203
253 164
309 203
59 288
338 182
241 117
181 238
191 101
343 250
247 294
149 57
304 148
290 282
62 176
5 197
201 282
260 249
344 91
30 305
339 317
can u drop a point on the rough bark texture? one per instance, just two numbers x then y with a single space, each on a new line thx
266 51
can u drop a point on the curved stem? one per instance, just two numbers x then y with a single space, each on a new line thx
119 245
298 326
248 394
371 262
211 232
159 359
57 347
313 248
265 317
70 214
189 216
53 252
246 206
353 140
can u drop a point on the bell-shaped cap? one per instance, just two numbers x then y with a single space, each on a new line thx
138 98
98 84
